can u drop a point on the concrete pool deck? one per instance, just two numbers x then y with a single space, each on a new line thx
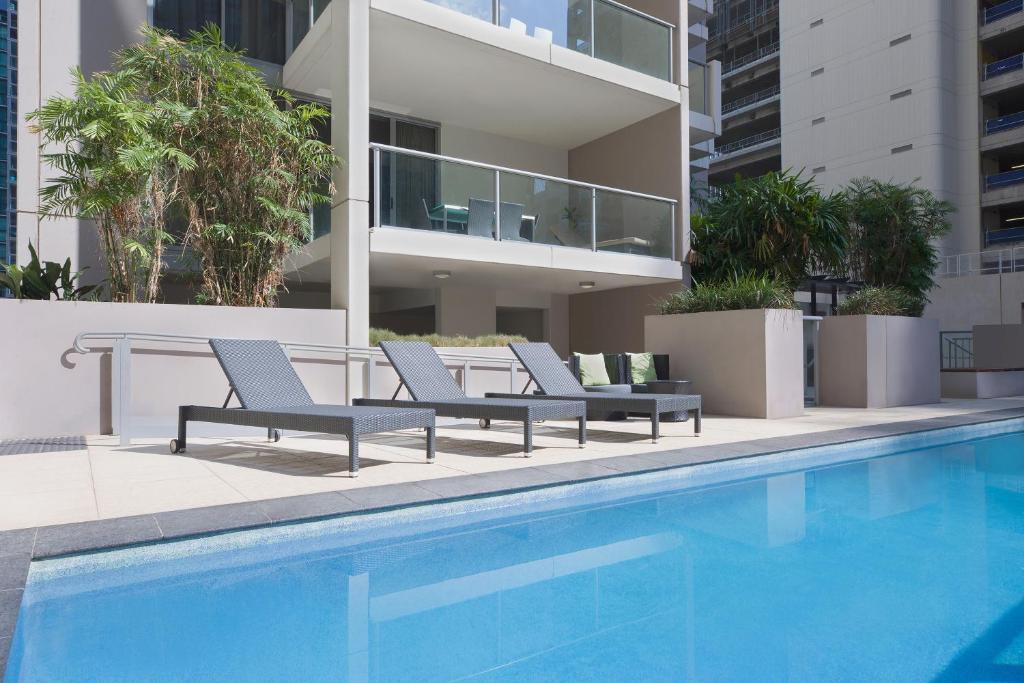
95 479
76 498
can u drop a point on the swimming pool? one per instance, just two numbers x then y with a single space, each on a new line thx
908 566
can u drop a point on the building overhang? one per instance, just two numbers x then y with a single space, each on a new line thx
437 64
411 258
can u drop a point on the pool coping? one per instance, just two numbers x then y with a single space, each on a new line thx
18 548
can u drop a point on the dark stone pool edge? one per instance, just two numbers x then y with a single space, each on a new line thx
19 547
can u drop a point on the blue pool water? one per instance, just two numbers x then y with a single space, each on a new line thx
905 567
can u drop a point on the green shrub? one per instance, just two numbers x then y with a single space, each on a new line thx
378 335
882 301
735 294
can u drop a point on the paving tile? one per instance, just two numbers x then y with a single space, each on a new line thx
10 603
211 519
309 506
18 542
104 533
490 482
630 463
13 571
5 650
394 495
578 471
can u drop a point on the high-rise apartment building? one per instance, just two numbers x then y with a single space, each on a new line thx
8 130
929 90
519 166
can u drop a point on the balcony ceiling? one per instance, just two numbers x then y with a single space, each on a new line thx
432 63
409 258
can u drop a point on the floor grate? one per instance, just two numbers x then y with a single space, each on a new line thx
54 444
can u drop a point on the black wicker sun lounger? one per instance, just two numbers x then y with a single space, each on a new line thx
431 385
273 396
551 376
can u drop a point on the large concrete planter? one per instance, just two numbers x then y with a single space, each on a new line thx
51 390
743 363
873 361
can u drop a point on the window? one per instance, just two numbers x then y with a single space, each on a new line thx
182 17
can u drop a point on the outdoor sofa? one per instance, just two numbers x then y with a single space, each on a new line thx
272 396
431 385
557 383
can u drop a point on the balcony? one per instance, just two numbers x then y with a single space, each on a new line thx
1003 188
748 60
600 28
435 64
752 100
474 201
1003 10
754 142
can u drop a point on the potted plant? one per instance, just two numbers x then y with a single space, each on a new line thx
879 352
739 341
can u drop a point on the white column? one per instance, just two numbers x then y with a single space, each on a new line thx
350 135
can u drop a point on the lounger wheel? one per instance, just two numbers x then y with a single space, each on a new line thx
174 447
485 423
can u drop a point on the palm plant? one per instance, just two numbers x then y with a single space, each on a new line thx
778 225
44 280
114 166
893 229
258 166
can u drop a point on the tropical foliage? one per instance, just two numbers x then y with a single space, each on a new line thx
44 280
188 124
108 143
779 225
882 301
379 335
893 228
735 293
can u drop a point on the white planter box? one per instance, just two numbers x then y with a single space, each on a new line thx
873 361
743 363
982 383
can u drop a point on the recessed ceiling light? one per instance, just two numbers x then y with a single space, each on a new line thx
442 274
587 285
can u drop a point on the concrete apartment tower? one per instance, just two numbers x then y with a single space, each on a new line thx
930 90
519 167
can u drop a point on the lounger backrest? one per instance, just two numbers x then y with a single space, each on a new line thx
260 373
422 371
546 369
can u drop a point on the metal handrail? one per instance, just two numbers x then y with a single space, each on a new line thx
745 143
759 96
992 262
754 56
120 395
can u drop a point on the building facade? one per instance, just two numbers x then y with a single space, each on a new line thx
9 131
515 167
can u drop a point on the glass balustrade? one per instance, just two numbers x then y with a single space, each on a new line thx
606 30
423 191
633 225
699 88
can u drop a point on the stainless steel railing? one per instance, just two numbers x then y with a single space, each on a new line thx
120 345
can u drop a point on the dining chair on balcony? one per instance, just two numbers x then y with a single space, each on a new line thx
511 220
481 218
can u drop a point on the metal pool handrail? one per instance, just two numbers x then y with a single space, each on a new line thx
121 347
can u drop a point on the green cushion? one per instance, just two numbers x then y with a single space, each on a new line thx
641 367
593 372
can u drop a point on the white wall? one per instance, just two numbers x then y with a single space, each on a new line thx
861 72
963 302
465 143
